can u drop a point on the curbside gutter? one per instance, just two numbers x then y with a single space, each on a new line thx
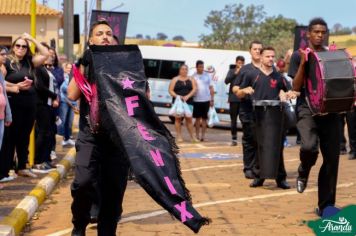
13 224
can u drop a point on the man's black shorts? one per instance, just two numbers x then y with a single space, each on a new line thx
201 109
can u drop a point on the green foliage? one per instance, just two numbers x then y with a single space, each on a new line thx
178 38
235 26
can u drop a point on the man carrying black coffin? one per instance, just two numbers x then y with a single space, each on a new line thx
271 87
98 161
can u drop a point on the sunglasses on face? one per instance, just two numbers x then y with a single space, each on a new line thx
21 46
3 54
48 65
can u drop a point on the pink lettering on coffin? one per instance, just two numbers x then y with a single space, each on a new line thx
144 133
157 158
170 185
183 212
131 104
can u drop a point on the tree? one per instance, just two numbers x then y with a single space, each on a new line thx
337 27
139 36
354 29
148 37
278 32
161 36
233 27
236 26
178 38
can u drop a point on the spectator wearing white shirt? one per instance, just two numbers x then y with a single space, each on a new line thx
203 99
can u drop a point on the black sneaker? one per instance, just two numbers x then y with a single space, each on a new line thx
41 168
249 174
318 212
352 156
233 143
257 183
301 184
343 151
283 184
78 232
50 165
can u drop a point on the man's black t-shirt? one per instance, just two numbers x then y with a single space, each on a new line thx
292 71
267 87
248 70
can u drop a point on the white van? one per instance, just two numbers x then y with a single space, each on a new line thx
162 64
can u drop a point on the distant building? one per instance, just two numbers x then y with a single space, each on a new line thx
15 19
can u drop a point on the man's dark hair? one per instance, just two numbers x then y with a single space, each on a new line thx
95 24
267 48
254 42
199 62
317 21
240 58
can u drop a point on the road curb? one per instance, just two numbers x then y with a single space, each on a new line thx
13 224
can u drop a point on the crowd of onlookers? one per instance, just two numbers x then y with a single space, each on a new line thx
33 97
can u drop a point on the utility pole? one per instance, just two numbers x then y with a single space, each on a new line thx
68 29
85 21
98 5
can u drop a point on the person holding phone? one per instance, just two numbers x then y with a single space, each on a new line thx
20 66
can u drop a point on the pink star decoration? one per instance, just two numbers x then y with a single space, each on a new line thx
127 83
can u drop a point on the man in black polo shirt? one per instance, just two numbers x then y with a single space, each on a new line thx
315 129
248 141
268 84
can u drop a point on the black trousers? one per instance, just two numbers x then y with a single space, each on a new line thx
342 118
45 120
351 128
249 144
17 136
6 161
324 130
99 165
234 112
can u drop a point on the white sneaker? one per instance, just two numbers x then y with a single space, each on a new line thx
26 173
7 179
64 143
71 142
53 155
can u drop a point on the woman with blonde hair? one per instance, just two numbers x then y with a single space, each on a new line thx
184 87
20 67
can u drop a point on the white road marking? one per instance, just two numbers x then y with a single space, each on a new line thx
225 166
212 167
203 204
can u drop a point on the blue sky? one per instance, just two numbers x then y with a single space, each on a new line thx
186 17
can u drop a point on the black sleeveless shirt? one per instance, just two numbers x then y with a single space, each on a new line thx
183 88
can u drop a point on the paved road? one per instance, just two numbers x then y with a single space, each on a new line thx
213 173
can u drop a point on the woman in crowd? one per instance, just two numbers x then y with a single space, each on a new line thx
66 109
185 87
20 67
5 111
47 102
58 73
